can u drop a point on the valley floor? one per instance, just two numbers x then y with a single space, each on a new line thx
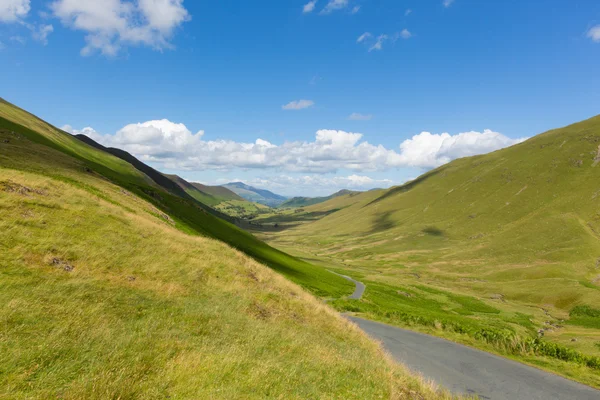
434 302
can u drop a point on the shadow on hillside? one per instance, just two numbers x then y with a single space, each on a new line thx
280 223
407 186
433 231
266 228
382 223
299 217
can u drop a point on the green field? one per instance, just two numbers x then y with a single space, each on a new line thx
113 287
495 251
242 209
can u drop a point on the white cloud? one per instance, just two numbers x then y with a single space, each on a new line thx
428 150
363 37
41 33
334 5
309 7
360 117
14 10
379 43
2 47
112 24
174 146
407 12
355 9
447 3
298 105
594 33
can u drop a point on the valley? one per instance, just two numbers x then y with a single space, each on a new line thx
496 251
118 285
303 200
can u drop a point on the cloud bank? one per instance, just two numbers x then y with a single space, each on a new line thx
174 146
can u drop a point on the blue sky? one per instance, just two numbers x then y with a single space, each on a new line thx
228 68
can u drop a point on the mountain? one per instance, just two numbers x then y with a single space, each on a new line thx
297 202
255 195
219 192
498 247
210 195
228 205
179 300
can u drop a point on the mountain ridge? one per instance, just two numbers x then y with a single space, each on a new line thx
250 193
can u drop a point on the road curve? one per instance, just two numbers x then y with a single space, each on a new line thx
358 291
464 370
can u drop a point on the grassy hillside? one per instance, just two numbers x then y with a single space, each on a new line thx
243 209
108 295
279 219
158 178
219 192
196 193
188 215
297 202
493 250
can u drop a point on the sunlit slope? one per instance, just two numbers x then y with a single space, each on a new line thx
187 214
497 251
297 202
290 217
103 297
529 213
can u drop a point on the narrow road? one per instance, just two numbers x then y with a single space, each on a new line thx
358 291
464 370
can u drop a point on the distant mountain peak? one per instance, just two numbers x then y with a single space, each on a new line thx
250 193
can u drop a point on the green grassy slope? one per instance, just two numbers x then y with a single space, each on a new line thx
297 202
219 192
517 231
189 215
105 298
200 195
284 218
